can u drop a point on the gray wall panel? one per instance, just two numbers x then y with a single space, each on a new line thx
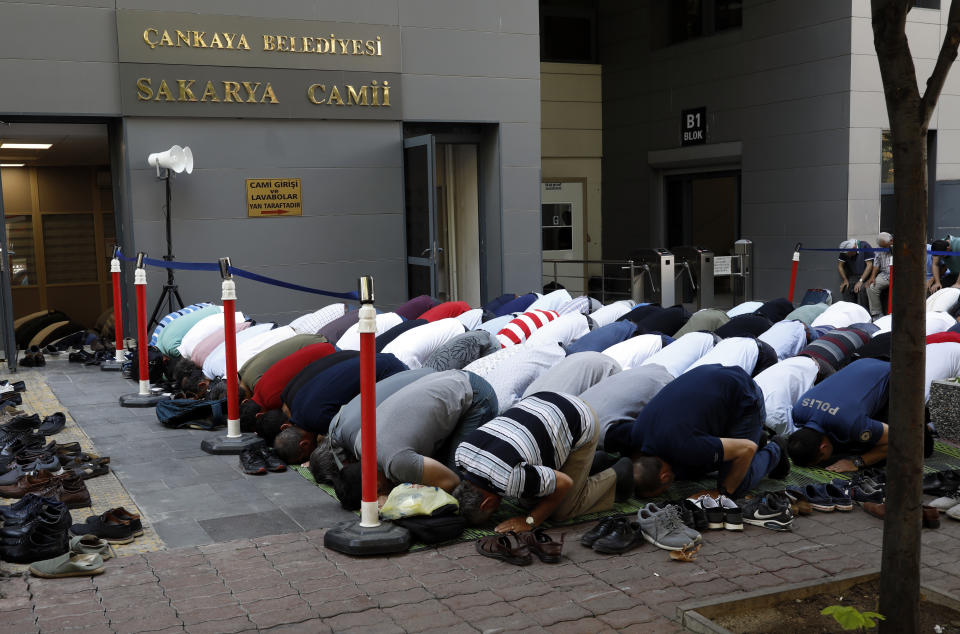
56 32
434 98
59 87
473 53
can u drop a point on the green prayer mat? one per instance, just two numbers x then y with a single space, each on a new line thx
945 458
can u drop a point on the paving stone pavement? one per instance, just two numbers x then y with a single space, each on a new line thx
276 576
290 583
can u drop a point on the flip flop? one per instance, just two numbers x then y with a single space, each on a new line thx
499 547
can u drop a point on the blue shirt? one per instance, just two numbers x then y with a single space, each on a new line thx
684 422
318 400
517 305
841 406
603 337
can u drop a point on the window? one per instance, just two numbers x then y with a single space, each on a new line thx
568 33
690 19
887 203
557 226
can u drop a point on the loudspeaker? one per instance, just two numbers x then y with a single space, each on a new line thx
178 159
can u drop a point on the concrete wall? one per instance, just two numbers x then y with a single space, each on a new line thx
462 60
778 87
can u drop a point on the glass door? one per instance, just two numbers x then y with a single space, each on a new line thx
419 175
7 339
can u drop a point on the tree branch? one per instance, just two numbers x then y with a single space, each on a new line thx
893 54
948 53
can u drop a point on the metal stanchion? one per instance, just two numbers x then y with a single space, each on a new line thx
235 441
117 362
143 398
890 287
793 271
369 536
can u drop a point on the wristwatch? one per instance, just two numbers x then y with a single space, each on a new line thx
530 520
858 462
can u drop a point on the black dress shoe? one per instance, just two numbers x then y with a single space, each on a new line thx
625 535
27 505
36 546
252 461
21 423
52 424
602 529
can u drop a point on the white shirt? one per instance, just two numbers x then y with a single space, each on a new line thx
511 371
581 304
611 312
470 319
201 330
563 330
939 322
215 365
311 323
551 301
841 315
415 345
943 300
782 385
261 342
635 350
885 324
943 362
682 353
744 309
350 340
741 352
787 338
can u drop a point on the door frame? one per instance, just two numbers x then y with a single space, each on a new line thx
659 193
429 141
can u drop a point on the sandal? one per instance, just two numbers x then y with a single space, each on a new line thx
542 545
500 547
92 469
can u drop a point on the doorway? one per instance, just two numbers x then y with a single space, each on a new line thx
58 218
703 210
562 234
441 182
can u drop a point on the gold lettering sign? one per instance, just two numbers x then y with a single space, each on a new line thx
213 91
274 197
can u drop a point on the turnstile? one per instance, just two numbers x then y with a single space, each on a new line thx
694 275
654 276
743 271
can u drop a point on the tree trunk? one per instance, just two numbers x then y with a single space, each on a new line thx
909 115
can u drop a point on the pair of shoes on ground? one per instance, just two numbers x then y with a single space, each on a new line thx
720 512
824 497
116 526
84 558
17 386
259 459
942 483
34 529
519 548
662 527
861 489
33 358
67 487
772 510
930 514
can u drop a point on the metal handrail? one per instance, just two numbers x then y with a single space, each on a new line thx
625 265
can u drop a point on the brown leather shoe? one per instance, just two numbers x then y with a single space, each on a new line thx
931 517
28 484
69 489
542 545
877 510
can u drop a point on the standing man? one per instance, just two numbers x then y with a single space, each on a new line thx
855 268
880 275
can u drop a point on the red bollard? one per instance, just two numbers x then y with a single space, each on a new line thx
144 397
235 441
793 271
369 536
117 361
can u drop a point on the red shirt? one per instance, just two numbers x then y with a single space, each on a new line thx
270 386
445 310
944 337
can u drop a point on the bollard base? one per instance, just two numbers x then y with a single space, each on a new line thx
227 445
350 538
111 366
139 400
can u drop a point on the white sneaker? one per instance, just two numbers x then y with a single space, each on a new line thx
954 512
946 502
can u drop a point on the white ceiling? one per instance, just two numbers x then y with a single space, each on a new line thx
73 143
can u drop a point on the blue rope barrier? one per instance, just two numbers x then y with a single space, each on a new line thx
256 277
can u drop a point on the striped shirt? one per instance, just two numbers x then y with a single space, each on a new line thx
519 329
169 318
311 323
516 454
836 347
